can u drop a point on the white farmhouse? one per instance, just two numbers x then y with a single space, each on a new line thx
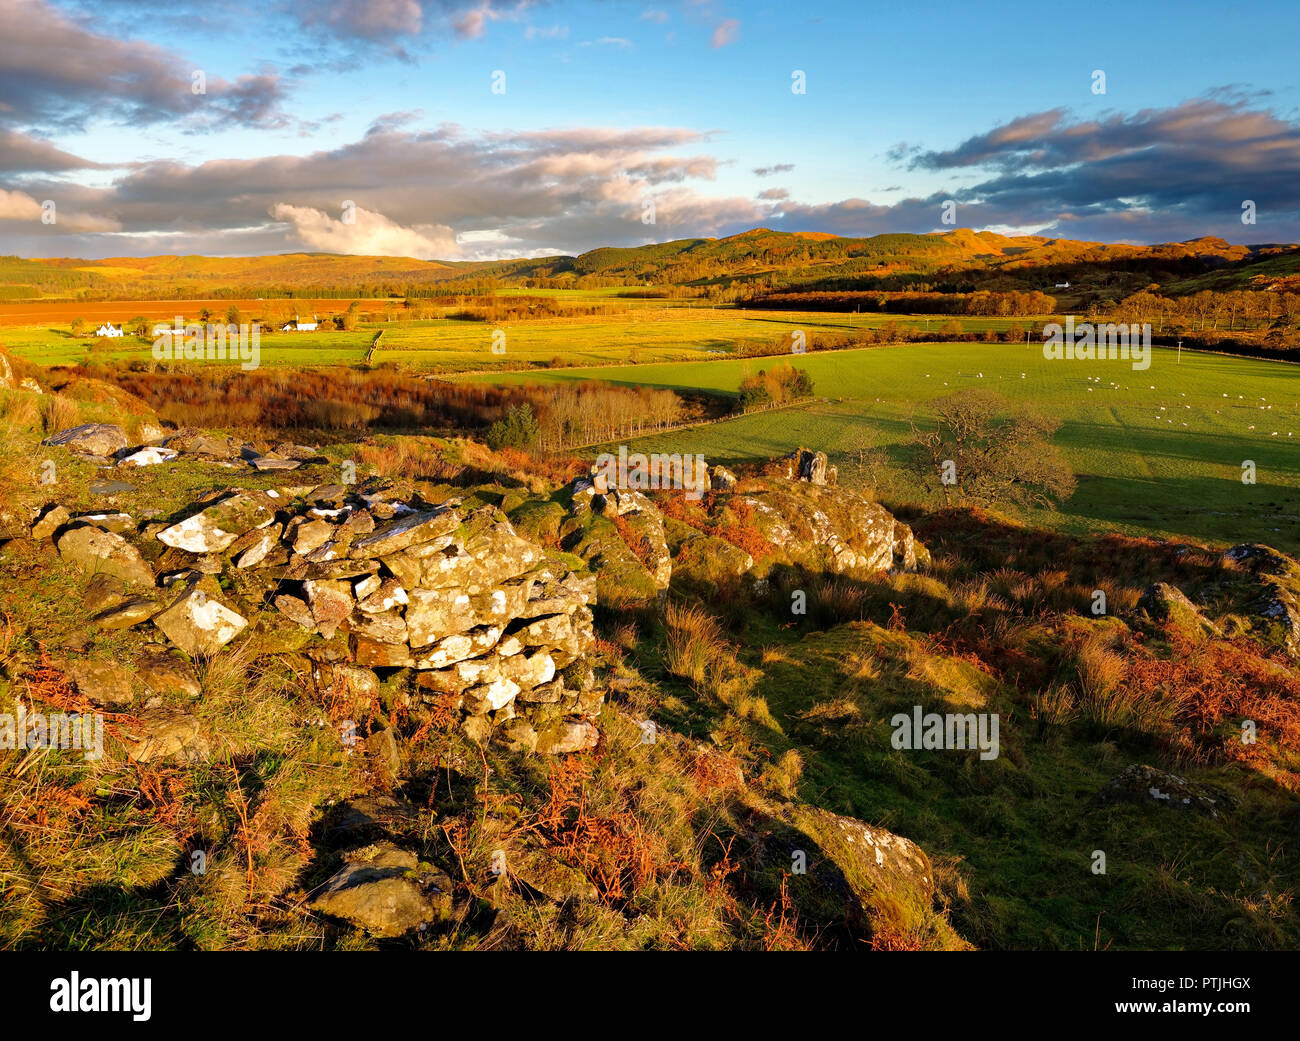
297 326
109 329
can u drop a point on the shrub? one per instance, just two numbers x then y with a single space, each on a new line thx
694 642
518 429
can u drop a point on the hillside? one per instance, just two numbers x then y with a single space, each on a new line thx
758 259
649 722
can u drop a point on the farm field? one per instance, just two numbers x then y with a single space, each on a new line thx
630 332
1157 452
55 315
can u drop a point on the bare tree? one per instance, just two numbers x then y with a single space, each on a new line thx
985 450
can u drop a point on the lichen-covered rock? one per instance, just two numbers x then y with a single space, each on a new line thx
95 550
829 528
565 736
1145 785
859 883
800 465
199 624
166 734
1162 602
104 683
164 672
384 889
103 439
217 526
1272 596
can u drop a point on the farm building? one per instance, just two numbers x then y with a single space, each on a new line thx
298 326
109 329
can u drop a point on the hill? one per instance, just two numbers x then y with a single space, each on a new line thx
750 262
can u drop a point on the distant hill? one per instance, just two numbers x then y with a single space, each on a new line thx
181 277
753 261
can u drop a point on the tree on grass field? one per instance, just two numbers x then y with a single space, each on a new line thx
348 320
518 429
783 383
985 450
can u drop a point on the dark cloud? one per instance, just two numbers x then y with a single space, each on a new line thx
768 171
57 72
1187 167
1157 175
20 153
563 189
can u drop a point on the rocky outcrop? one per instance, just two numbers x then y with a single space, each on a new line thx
106 441
803 465
828 528
1271 596
1145 785
486 617
1165 603
852 877
10 380
793 513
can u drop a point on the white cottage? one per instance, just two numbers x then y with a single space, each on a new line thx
109 329
297 326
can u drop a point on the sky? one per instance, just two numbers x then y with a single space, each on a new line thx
481 129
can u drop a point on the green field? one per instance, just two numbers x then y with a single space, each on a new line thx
633 331
1160 452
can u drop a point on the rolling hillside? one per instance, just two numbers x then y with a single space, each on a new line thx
755 261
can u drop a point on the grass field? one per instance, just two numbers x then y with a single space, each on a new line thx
1162 461
1157 452
631 331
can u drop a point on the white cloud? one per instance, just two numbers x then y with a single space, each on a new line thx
370 234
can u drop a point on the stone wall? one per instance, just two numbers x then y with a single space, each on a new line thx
488 619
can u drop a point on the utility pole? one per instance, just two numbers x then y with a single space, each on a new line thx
1180 353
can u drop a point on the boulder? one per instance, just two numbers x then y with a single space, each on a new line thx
165 672
1148 786
1272 603
198 624
801 465
1165 603
541 870
104 683
94 550
721 479
216 527
566 736
103 439
129 612
383 889
166 734
49 522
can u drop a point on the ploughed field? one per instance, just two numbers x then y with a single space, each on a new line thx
1157 452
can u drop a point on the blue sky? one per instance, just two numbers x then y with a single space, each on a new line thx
607 104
